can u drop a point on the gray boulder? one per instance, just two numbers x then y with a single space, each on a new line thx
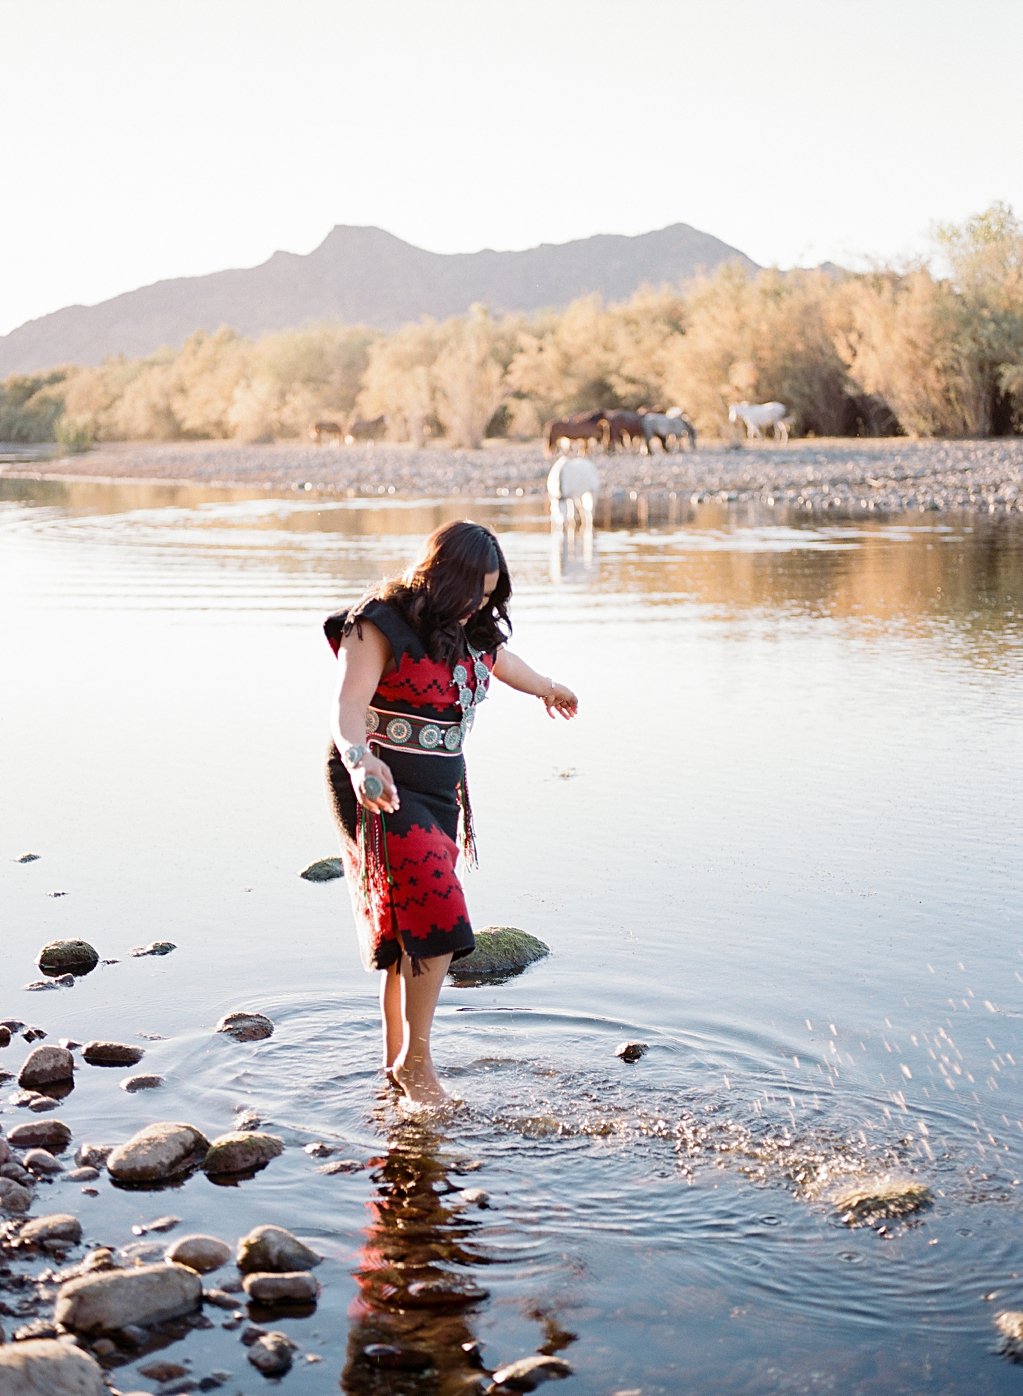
68 957
246 1027
201 1253
499 950
113 1299
528 1372
41 1161
14 1197
46 1065
241 1151
160 1151
112 1053
272 1354
46 1367
58 1226
290 1287
53 1134
273 1248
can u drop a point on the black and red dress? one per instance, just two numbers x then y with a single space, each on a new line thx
400 867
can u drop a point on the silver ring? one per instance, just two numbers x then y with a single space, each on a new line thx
372 787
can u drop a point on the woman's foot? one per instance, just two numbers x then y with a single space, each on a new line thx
420 1082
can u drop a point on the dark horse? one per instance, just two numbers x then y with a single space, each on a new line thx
365 429
622 427
581 426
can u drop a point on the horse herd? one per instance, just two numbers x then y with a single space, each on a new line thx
358 429
619 430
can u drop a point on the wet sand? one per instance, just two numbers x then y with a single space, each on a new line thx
891 475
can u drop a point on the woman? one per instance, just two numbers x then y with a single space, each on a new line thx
415 659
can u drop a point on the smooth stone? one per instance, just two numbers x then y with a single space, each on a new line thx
323 870
869 1200
141 1296
275 1249
241 1151
41 1161
47 1367
68 957
528 1372
447 1292
5 1150
46 1066
131 1084
159 1151
289 1287
393 1358
86 1174
271 1354
13 1169
93 1155
167 1223
39 1104
155 947
246 1027
14 1197
112 1053
341 1165
500 950
5 1035
631 1051
53 1135
201 1253
59 1226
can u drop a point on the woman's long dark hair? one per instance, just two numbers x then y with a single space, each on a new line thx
446 584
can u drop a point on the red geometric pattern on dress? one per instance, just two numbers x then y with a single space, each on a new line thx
426 893
422 683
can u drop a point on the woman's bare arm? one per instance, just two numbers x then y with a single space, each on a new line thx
361 662
516 673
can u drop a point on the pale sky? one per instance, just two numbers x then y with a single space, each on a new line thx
145 139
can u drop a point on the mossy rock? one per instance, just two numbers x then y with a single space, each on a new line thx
869 1200
68 957
500 950
323 870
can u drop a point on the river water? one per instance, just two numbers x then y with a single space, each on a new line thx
780 845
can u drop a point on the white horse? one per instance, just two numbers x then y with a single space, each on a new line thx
572 484
680 426
757 415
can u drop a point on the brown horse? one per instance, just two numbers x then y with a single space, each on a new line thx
622 427
321 431
580 426
365 429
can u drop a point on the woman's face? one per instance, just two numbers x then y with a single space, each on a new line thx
490 581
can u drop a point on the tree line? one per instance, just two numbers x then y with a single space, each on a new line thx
916 350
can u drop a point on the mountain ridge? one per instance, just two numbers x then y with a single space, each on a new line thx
363 275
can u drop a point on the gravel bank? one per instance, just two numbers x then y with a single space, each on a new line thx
889 476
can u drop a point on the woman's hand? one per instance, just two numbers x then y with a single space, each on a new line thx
559 698
387 802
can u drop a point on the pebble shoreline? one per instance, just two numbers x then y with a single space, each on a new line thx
886 475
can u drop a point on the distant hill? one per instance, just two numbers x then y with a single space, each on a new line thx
363 276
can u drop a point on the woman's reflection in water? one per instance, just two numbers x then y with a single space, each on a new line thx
411 1328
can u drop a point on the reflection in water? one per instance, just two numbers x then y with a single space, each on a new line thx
417 1293
571 552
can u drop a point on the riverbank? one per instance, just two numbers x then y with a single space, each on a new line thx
890 475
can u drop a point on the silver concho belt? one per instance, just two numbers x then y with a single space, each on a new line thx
413 733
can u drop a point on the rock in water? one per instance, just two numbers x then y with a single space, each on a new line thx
68 957
155 947
272 1248
500 950
631 1051
869 1200
246 1027
46 1066
287 1287
60 1226
323 870
14 1197
528 1372
53 1135
144 1295
160 1151
131 1084
46 1367
202 1253
112 1054
272 1354
241 1152
1010 1326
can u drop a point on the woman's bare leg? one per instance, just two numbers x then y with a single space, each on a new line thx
413 1067
390 1015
